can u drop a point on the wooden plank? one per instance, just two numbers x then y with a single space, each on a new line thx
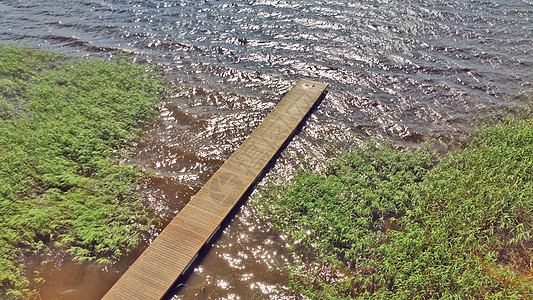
158 267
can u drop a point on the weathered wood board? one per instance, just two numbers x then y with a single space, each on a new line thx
158 267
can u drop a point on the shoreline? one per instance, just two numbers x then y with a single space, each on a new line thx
65 124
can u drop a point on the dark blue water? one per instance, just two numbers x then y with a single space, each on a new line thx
404 69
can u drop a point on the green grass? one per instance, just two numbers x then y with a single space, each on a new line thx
388 223
64 125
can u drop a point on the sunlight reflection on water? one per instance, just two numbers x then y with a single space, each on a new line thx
408 69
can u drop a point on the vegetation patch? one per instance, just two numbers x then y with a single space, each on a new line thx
389 223
64 125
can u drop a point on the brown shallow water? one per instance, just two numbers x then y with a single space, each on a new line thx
402 69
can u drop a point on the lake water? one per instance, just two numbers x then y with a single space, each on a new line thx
398 68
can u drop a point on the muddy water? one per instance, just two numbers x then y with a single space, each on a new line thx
406 69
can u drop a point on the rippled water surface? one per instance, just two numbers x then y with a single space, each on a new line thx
401 68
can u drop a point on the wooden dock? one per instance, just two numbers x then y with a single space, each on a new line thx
174 250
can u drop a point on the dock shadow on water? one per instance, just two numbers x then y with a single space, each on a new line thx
402 69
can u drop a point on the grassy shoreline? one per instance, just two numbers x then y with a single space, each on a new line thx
393 223
65 123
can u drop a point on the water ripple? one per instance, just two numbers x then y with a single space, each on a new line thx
407 69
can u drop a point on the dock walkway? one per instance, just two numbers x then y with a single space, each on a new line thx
172 252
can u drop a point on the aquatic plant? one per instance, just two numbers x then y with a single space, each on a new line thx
65 123
391 223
